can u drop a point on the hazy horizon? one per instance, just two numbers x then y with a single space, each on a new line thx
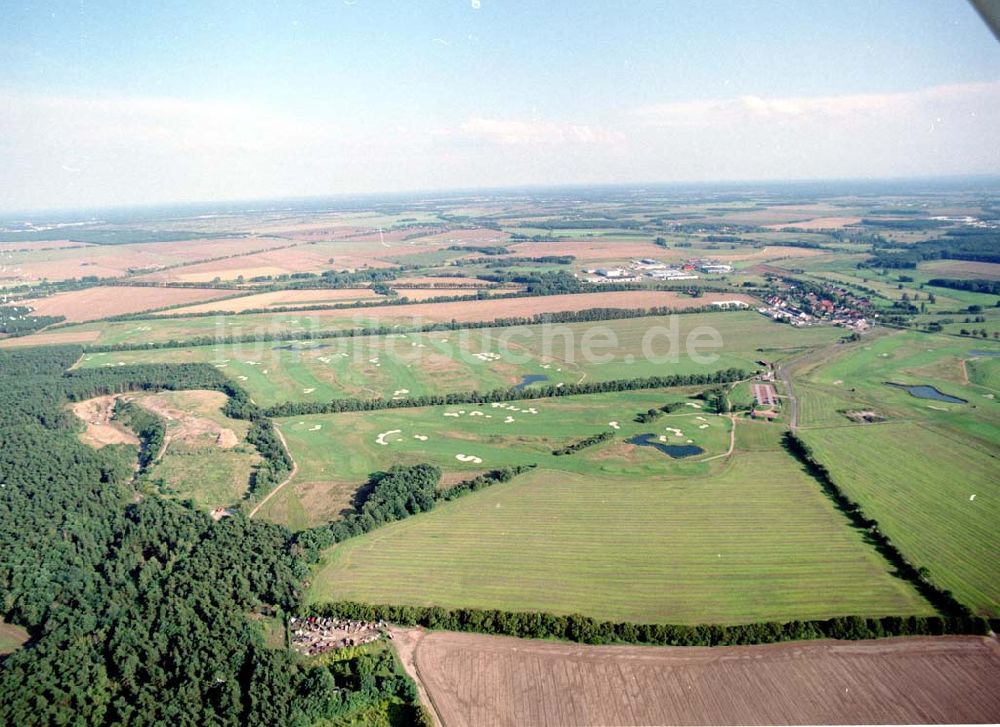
104 106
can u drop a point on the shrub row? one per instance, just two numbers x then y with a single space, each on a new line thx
584 443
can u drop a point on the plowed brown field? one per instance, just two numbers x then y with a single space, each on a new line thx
491 680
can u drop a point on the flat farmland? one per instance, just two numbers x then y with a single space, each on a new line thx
755 540
493 680
32 265
340 254
278 299
415 364
93 303
961 269
935 494
154 329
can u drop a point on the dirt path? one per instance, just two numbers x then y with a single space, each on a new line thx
732 442
406 642
272 493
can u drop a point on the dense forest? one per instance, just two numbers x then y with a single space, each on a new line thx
140 610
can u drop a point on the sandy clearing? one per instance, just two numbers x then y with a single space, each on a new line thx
471 679
184 425
93 303
101 431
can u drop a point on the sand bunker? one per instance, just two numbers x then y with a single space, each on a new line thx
614 425
380 439
421 437
308 391
509 420
469 458
315 427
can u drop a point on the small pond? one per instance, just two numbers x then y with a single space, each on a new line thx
677 451
978 352
529 379
922 391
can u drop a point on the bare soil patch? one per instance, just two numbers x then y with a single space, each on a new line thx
101 430
472 679
93 303
185 425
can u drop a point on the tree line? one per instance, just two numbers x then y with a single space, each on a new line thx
400 492
943 600
337 406
587 630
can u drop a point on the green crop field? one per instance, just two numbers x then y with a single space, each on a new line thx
755 540
483 359
936 496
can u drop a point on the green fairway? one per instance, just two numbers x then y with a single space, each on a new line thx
337 452
483 359
937 498
756 540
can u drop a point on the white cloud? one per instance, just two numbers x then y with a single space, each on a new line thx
838 109
504 131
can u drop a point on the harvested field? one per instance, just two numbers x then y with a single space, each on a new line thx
481 310
962 269
55 263
101 431
94 303
279 299
492 680
819 223
58 337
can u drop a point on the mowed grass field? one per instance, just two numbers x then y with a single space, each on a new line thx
934 495
415 364
754 540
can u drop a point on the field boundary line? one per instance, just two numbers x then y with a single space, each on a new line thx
274 491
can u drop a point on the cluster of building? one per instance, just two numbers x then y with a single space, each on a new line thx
657 270
809 309
312 635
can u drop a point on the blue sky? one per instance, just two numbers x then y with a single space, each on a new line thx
122 102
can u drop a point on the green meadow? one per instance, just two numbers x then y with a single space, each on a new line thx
755 539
